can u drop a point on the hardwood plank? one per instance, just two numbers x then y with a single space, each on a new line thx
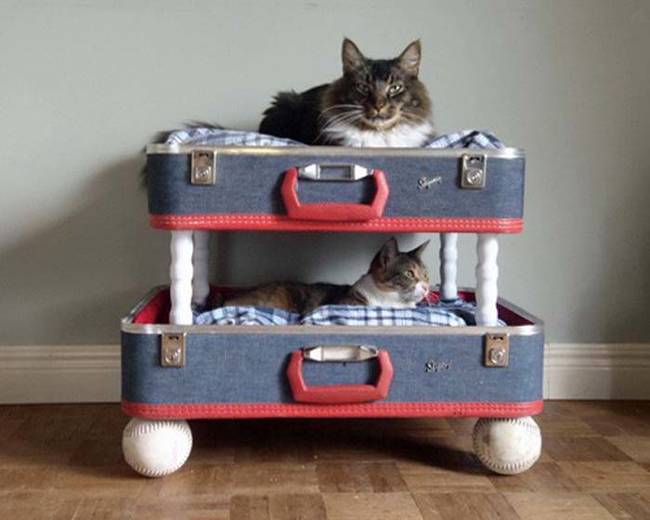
192 482
637 447
371 506
215 507
423 479
625 506
543 477
97 481
557 506
273 447
20 452
26 479
564 426
607 476
468 506
297 507
270 478
379 477
249 507
582 449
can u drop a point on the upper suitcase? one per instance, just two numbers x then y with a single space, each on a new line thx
335 189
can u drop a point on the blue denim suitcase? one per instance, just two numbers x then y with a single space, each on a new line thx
249 188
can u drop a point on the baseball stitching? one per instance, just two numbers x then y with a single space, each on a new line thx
150 426
512 467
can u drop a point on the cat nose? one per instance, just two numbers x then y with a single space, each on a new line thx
380 103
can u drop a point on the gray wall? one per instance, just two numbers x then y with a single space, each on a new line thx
84 85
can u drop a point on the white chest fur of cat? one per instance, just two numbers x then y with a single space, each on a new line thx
400 136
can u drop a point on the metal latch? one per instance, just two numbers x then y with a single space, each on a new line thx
172 349
497 350
473 171
203 167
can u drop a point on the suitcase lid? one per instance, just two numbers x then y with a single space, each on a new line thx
406 189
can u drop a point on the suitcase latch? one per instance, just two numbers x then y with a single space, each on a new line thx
497 350
203 169
473 171
172 350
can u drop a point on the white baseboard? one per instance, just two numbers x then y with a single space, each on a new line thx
59 374
73 374
597 371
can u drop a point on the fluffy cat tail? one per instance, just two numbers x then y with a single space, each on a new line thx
283 116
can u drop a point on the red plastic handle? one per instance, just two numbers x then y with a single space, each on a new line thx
333 211
338 394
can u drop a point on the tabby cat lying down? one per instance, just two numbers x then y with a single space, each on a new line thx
395 279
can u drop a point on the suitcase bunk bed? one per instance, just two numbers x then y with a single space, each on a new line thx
174 369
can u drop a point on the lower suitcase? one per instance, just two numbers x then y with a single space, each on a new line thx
174 372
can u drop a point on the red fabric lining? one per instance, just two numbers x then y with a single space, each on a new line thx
156 311
273 410
255 222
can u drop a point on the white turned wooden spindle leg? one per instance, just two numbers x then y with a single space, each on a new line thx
200 261
448 266
487 273
180 274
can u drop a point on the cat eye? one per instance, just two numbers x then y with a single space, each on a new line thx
395 89
410 274
362 88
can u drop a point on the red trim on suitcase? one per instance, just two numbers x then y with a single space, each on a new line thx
254 222
288 410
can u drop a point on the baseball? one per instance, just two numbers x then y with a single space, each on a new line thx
156 448
507 446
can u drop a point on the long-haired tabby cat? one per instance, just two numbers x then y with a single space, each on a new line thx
394 279
376 103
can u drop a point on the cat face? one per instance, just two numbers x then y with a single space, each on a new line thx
378 95
401 272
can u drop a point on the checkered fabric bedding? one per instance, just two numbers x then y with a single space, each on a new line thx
456 314
222 137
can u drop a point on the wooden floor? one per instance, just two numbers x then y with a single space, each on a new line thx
64 462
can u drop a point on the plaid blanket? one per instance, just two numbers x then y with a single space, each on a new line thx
359 315
222 137
382 316
246 315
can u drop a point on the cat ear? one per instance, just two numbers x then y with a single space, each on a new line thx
351 56
388 251
409 60
417 252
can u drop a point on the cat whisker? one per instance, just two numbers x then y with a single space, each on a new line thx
330 124
328 117
414 117
343 111
344 121
341 118
339 106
